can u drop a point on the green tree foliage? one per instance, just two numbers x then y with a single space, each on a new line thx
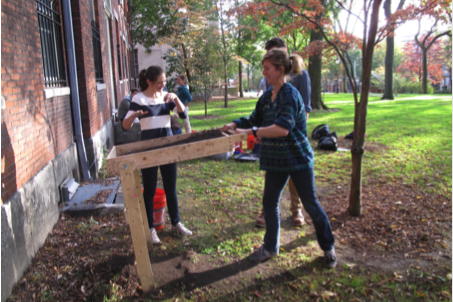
152 21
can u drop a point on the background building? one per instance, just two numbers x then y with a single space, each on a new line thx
66 64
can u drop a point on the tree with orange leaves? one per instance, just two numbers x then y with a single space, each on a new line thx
425 43
411 66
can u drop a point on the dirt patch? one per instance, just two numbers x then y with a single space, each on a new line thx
195 137
202 117
370 146
398 222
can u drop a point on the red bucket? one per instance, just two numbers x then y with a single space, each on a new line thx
251 142
160 204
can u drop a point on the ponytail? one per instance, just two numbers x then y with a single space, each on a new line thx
297 64
142 80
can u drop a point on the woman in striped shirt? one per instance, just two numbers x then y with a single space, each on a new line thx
153 107
279 119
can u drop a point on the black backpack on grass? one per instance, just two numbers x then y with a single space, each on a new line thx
328 143
320 131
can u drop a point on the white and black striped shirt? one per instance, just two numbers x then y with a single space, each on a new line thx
157 122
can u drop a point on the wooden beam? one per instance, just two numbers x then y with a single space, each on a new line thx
141 201
163 156
136 224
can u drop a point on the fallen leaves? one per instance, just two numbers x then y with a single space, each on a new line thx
327 295
409 227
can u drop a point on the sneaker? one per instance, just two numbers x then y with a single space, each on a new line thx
298 218
180 228
262 254
260 221
154 237
330 258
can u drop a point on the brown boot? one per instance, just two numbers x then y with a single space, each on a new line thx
298 218
260 221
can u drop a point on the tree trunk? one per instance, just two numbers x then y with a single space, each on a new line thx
226 86
205 103
425 72
314 70
355 194
248 78
188 75
241 93
344 82
389 55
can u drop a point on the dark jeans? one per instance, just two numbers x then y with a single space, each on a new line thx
304 181
177 132
150 183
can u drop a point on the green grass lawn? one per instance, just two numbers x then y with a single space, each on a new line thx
410 137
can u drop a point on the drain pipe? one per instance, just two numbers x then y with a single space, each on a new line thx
74 86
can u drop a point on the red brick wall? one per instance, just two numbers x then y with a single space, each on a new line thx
34 130
94 105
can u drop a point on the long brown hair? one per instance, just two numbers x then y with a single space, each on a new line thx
297 64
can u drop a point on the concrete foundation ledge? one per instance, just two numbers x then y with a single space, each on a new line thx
95 145
29 215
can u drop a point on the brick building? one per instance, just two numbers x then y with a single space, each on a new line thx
65 66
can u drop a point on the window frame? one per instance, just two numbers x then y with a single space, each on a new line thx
52 43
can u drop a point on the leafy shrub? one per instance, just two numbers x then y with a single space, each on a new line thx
413 88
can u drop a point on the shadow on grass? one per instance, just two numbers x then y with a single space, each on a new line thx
245 267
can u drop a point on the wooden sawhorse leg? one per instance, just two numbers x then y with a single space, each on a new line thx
138 222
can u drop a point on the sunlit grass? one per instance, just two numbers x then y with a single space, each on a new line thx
411 137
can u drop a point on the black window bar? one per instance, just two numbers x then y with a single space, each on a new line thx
119 63
97 52
136 70
49 24
126 72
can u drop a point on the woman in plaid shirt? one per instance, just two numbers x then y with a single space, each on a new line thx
279 120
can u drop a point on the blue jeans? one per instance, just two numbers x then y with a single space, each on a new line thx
177 132
150 184
304 181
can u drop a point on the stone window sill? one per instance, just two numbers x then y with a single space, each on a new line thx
101 86
54 92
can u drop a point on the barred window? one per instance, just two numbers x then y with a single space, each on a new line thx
49 24
97 52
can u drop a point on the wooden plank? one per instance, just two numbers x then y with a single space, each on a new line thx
141 201
153 143
135 218
179 153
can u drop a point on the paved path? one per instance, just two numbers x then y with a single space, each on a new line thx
425 97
